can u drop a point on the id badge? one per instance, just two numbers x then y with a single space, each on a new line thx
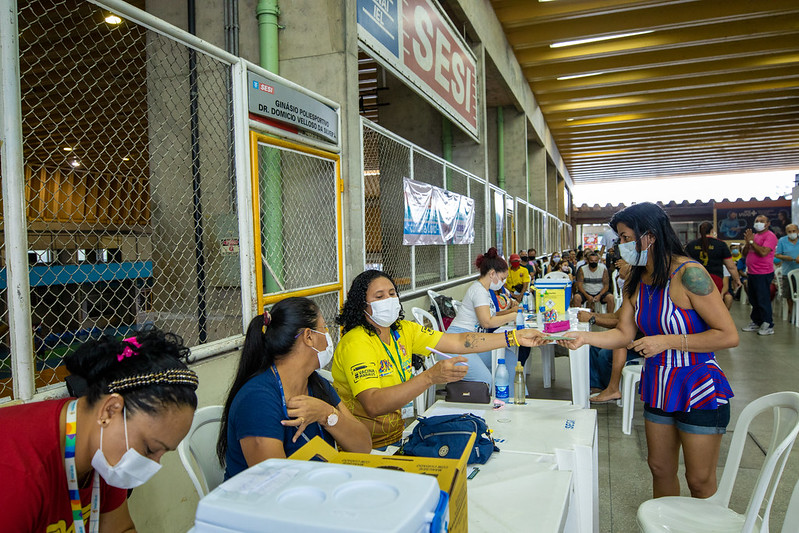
407 410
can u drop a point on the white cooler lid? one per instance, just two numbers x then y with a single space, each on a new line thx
299 496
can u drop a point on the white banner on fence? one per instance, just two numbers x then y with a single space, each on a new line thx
436 216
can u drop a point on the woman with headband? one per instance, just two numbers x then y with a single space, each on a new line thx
67 464
277 401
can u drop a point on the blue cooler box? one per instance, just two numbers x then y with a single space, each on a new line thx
292 496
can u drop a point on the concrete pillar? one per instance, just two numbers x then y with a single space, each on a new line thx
515 153
552 189
319 50
537 174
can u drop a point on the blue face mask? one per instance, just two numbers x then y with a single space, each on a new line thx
631 256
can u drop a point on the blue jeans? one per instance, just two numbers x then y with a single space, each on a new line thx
480 363
601 365
760 298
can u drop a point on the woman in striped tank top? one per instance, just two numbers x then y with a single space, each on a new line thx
674 302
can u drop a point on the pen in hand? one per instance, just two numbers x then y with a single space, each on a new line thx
442 354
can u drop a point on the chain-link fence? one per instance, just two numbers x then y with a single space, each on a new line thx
299 219
387 159
130 184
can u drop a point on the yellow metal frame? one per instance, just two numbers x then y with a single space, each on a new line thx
269 299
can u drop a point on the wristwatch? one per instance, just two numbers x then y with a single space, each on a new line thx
332 418
592 320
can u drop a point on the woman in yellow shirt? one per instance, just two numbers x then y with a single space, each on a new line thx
372 363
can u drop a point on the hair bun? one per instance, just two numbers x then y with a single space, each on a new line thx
492 253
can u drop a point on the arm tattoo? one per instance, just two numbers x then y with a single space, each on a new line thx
697 281
473 340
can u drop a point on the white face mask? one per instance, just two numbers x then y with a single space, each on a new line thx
496 286
327 354
132 470
631 255
759 226
793 236
385 312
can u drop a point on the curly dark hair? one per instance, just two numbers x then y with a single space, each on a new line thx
353 313
96 363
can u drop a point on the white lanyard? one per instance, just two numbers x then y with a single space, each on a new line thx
72 478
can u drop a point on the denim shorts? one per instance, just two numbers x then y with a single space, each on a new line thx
696 421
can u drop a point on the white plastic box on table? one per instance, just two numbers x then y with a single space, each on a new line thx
299 496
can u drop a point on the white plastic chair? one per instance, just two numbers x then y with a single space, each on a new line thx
793 284
630 376
327 374
779 297
791 523
198 450
618 290
557 275
432 295
682 514
420 315
427 398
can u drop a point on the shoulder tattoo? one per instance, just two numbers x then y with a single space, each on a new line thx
697 281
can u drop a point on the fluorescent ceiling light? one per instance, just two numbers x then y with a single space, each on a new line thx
125 159
67 148
113 19
580 76
595 39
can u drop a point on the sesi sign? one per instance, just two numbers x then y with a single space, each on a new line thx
437 55
415 40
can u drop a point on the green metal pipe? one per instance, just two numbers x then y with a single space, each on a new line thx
272 186
501 148
268 11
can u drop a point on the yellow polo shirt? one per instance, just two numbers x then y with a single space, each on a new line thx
362 362
516 277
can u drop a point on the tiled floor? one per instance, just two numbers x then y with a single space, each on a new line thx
757 366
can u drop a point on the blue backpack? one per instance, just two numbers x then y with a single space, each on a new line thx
446 436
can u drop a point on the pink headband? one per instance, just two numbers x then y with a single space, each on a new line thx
128 351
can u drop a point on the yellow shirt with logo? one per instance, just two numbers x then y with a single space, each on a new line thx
363 362
520 276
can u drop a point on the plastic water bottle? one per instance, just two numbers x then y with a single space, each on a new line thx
501 383
519 385
541 316
520 318
526 301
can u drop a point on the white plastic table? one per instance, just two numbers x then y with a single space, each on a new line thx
579 362
552 433
512 492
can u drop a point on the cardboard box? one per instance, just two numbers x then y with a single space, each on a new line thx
450 473
553 298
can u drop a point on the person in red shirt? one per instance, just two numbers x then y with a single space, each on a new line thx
759 251
136 401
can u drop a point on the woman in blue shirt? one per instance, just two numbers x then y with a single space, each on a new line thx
277 401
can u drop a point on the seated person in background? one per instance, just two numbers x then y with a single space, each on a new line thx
582 258
372 363
726 295
532 264
592 284
552 266
787 255
277 401
563 271
136 401
740 266
518 280
605 365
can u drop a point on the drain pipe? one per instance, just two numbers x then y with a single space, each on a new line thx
18 291
272 219
199 230
501 148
